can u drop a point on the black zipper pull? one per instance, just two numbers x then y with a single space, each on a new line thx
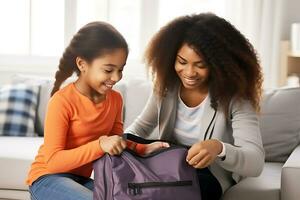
135 188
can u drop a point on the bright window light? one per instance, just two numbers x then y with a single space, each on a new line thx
47 27
124 15
186 7
15 24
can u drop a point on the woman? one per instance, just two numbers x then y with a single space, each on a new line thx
207 89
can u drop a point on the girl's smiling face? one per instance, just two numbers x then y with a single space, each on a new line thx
102 73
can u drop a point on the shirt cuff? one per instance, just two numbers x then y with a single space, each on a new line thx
223 153
140 148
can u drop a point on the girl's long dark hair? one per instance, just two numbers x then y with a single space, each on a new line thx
91 41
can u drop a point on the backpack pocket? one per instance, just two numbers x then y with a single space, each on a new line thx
136 188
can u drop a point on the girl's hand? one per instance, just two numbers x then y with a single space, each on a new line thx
154 146
203 153
113 145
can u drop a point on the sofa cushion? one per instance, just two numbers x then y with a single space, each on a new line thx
137 94
280 123
14 194
46 85
18 106
266 186
16 156
45 92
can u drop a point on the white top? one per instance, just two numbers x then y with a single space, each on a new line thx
188 124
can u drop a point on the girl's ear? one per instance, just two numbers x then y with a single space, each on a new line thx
81 64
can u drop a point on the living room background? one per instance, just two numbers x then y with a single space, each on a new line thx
35 32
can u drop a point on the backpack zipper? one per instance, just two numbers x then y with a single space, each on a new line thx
136 187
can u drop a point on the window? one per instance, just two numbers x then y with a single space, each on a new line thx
36 30
32 27
178 8
124 15
14 21
47 27
34 33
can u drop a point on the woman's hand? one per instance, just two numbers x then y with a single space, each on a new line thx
203 153
154 146
113 145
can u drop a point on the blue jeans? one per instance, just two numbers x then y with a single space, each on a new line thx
62 187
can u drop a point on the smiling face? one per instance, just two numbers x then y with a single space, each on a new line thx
99 76
191 69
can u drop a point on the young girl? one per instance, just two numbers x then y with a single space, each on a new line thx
207 87
83 119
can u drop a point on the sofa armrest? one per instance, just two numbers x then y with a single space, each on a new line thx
290 176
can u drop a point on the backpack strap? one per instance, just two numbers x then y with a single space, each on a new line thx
212 121
137 139
140 140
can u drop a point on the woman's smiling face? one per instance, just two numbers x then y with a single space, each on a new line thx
190 68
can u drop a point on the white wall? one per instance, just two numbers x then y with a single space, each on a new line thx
40 66
133 69
291 14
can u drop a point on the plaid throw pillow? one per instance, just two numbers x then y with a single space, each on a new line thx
18 105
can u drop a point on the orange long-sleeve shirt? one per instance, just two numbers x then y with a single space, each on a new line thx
73 126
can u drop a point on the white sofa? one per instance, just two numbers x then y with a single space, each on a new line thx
280 124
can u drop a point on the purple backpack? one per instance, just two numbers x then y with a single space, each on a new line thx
162 175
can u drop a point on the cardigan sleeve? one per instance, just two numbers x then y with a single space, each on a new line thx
145 123
246 155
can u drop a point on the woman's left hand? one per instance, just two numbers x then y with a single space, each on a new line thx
203 153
